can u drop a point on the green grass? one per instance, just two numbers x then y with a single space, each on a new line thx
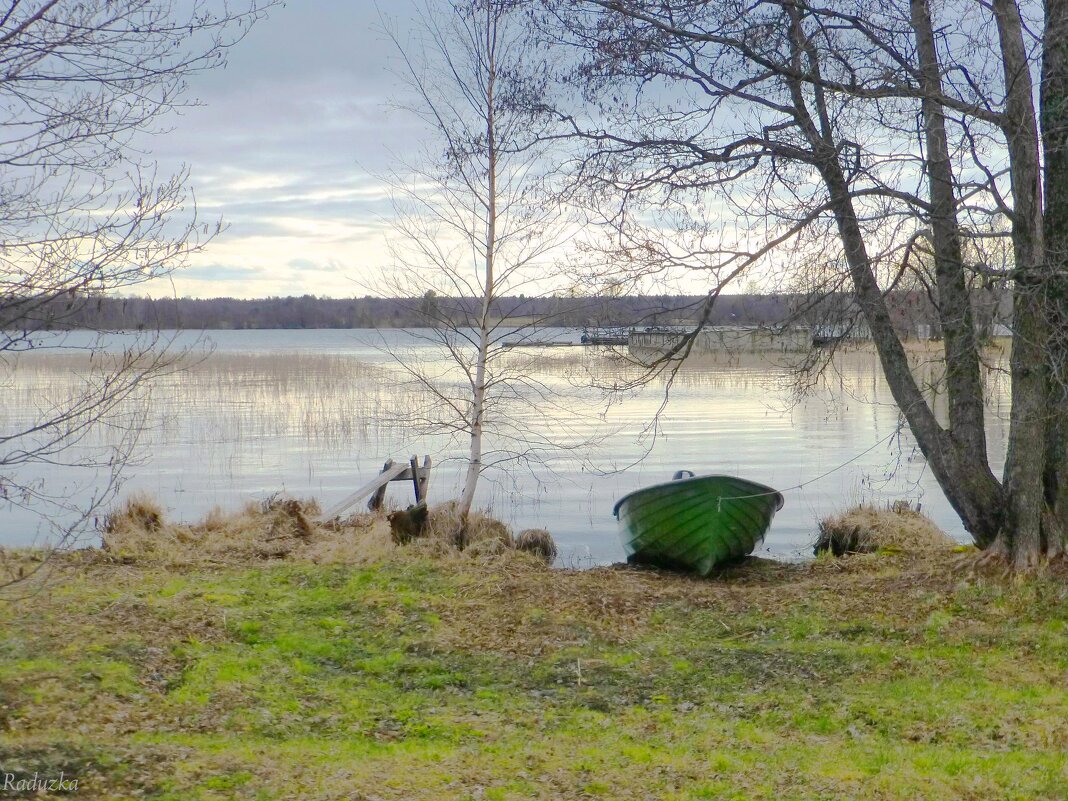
889 679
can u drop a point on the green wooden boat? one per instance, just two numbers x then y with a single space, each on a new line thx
693 522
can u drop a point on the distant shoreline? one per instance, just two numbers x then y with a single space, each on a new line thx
95 312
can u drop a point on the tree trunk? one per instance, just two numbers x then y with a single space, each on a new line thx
962 470
964 475
964 384
1054 102
1025 499
478 397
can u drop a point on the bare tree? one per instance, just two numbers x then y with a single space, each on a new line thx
871 124
478 220
84 213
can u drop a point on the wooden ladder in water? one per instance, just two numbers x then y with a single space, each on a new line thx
376 488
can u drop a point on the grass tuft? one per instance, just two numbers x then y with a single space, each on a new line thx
866 529
446 525
539 542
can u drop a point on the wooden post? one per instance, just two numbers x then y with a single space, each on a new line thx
424 478
379 496
376 488
416 481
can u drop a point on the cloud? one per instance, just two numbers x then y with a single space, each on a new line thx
220 272
285 148
304 265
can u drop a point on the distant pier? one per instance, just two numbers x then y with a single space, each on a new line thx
718 339
713 339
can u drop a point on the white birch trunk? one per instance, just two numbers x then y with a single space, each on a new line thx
478 395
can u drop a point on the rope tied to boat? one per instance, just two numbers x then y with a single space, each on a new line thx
803 484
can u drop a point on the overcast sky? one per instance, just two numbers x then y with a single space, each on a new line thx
285 150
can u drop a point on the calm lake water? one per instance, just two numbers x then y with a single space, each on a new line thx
316 413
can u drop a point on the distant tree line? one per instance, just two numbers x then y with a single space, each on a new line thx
911 311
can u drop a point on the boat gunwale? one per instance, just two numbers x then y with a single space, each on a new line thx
696 479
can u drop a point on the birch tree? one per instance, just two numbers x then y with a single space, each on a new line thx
477 224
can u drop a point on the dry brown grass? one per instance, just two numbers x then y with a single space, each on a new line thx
288 528
19 564
277 528
445 521
614 604
866 529
539 542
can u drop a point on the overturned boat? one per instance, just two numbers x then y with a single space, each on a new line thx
695 523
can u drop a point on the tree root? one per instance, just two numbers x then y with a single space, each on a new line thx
995 562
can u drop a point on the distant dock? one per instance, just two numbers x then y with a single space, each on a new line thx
712 339
717 339
617 340
523 343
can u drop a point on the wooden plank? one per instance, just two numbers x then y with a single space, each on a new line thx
377 486
417 480
379 495
424 477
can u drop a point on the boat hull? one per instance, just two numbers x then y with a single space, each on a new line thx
696 523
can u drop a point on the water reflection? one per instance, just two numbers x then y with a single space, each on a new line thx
318 412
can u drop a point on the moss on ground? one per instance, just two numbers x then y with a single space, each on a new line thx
882 677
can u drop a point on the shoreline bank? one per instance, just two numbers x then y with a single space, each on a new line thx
889 676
